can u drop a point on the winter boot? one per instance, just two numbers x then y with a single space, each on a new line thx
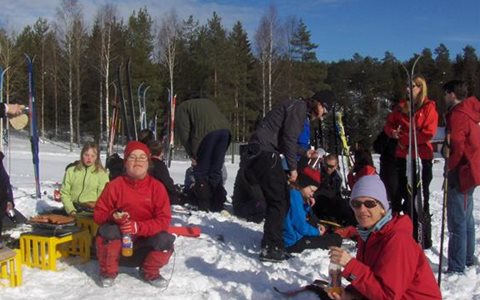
203 193
274 254
106 281
108 254
150 271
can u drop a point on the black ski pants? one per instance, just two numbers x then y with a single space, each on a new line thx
266 169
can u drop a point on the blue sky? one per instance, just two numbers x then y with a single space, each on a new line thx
339 27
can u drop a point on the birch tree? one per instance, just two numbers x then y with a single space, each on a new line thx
106 18
68 15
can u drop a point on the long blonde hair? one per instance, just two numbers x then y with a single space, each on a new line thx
420 81
98 162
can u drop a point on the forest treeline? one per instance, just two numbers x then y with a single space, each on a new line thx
75 67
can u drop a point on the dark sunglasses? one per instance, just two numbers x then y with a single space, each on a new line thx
331 166
368 203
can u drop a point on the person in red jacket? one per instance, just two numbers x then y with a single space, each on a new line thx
389 262
397 127
363 165
136 204
463 129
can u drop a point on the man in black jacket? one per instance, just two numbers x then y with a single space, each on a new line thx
277 134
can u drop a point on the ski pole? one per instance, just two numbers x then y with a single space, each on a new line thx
444 205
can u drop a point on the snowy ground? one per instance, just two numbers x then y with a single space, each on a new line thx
205 267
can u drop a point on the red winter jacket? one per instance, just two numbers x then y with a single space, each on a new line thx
391 265
426 122
463 124
146 201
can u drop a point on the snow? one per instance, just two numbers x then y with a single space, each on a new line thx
201 268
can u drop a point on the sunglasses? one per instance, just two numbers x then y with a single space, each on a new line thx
368 203
331 166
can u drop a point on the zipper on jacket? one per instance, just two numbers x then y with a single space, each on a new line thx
83 185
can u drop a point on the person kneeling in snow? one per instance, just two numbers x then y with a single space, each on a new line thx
298 233
136 204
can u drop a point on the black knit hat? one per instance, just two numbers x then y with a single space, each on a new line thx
325 97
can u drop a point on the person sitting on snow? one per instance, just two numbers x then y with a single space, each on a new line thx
363 165
329 202
84 181
135 204
160 171
298 232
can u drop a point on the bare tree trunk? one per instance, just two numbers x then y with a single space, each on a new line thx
236 116
70 92
55 88
79 99
264 92
270 58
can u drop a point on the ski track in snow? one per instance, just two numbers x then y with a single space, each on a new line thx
204 267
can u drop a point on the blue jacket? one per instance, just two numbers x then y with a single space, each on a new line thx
295 225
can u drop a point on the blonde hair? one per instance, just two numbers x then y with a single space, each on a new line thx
98 162
420 81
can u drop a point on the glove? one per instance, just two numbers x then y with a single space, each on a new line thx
129 227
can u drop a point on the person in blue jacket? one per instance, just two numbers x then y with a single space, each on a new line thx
298 232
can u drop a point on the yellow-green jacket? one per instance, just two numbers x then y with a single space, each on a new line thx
81 185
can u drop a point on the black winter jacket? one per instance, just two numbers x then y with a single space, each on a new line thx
280 129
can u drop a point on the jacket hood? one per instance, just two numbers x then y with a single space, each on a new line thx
471 108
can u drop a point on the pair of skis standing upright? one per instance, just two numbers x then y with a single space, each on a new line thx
127 112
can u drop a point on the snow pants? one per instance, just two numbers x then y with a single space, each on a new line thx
266 169
208 189
109 245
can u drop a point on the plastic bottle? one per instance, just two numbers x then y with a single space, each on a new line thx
56 193
127 245
335 278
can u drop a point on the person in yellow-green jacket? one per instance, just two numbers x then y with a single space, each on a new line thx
83 181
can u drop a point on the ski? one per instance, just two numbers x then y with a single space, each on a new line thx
123 106
133 122
113 122
187 231
318 287
143 119
3 129
340 132
414 165
33 125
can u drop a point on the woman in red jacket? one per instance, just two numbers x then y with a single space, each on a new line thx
397 127
136 204
389 262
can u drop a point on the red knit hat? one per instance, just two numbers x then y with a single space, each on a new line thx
308 176
135 145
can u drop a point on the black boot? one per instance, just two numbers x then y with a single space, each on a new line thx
203 193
